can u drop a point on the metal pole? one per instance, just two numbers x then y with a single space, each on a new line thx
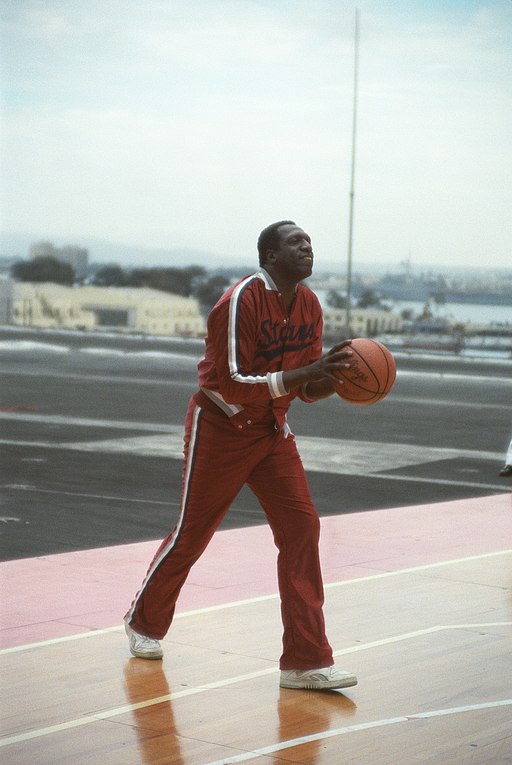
351 214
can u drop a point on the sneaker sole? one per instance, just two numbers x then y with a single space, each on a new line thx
319 686
154 657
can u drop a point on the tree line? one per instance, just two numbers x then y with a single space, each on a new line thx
367 299
192 281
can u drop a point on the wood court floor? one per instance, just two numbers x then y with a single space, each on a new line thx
426 625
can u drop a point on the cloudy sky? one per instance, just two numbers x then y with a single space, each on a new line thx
194 123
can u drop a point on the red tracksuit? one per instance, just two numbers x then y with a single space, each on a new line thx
236 433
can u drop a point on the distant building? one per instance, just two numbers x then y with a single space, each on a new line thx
48 305
42 249
365 322
75 256
5 301
6 264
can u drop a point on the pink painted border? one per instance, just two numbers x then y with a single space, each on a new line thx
59 595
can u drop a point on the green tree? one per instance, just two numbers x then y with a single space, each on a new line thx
43 269
209 292
335 300
369 299
109 276
179 281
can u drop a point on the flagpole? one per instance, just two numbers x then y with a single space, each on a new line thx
352 180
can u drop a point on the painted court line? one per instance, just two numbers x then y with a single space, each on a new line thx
258 599
126 708
353 728
418 633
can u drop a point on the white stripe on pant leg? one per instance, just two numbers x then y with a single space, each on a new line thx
172 541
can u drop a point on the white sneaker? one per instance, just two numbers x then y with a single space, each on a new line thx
142 646
317 679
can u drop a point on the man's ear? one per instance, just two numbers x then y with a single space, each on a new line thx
270 256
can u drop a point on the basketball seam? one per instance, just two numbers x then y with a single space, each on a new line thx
361 387
373 396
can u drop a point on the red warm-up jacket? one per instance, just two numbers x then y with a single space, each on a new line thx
251 339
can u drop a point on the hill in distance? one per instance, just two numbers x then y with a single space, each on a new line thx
102 251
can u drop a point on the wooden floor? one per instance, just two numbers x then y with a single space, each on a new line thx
427 627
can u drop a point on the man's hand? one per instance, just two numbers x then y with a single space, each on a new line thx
320 375
331 362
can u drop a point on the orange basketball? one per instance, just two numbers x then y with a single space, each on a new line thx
371 374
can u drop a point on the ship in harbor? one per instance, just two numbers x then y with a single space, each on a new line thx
404 288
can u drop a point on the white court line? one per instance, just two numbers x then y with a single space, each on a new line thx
125 709
418 633
353 728
258 599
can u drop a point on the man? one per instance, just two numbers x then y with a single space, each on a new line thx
263 348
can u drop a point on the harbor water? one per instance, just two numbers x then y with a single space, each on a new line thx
460 313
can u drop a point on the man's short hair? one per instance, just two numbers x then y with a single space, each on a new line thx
269 238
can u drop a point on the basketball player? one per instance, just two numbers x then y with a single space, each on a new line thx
263 348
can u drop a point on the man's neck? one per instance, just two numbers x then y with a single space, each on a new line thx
286 288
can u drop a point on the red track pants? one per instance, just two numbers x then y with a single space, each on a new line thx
219 460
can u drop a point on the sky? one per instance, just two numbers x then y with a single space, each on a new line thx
195 123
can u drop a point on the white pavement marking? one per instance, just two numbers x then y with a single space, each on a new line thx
116 379
106 497
273 748
390 455
328 455
457 375
169 445
58 419
324 455
438 402
441 481
369 457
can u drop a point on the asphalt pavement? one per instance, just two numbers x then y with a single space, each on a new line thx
91 433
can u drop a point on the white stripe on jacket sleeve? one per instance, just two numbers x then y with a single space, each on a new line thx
274 380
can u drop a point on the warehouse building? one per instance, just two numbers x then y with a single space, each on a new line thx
365 322
48 305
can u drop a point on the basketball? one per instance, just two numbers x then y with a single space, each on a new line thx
371 374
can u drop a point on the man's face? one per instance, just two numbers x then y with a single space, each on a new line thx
293 260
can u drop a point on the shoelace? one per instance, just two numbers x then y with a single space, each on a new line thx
146 640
